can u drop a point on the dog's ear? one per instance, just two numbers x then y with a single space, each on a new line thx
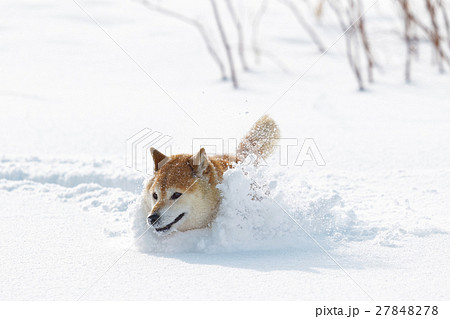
200 162
158 158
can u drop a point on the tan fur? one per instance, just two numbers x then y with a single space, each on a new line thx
260 140
196 178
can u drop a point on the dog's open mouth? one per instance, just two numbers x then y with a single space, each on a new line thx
167 227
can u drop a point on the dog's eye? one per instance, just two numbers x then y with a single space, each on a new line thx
155 196
175 195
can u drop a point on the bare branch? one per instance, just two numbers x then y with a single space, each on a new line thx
435 34
365 41
408 38
225 43
443 8
432 33
255 30
200 28
240 34
350 40
312 34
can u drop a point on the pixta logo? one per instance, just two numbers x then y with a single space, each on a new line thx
138 146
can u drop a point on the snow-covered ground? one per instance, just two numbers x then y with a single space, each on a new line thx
70 97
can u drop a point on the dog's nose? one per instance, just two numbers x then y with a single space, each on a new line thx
153 218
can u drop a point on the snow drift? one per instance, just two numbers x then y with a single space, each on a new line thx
258 212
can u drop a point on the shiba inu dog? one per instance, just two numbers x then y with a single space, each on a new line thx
182 193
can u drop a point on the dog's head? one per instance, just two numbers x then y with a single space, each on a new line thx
182 194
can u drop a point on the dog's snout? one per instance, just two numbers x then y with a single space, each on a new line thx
153 218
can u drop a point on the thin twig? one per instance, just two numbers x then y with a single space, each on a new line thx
225 43
298 15
255 30
443 8
200 28
435 38
350 38
366 43
408 38
240 34
431 34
